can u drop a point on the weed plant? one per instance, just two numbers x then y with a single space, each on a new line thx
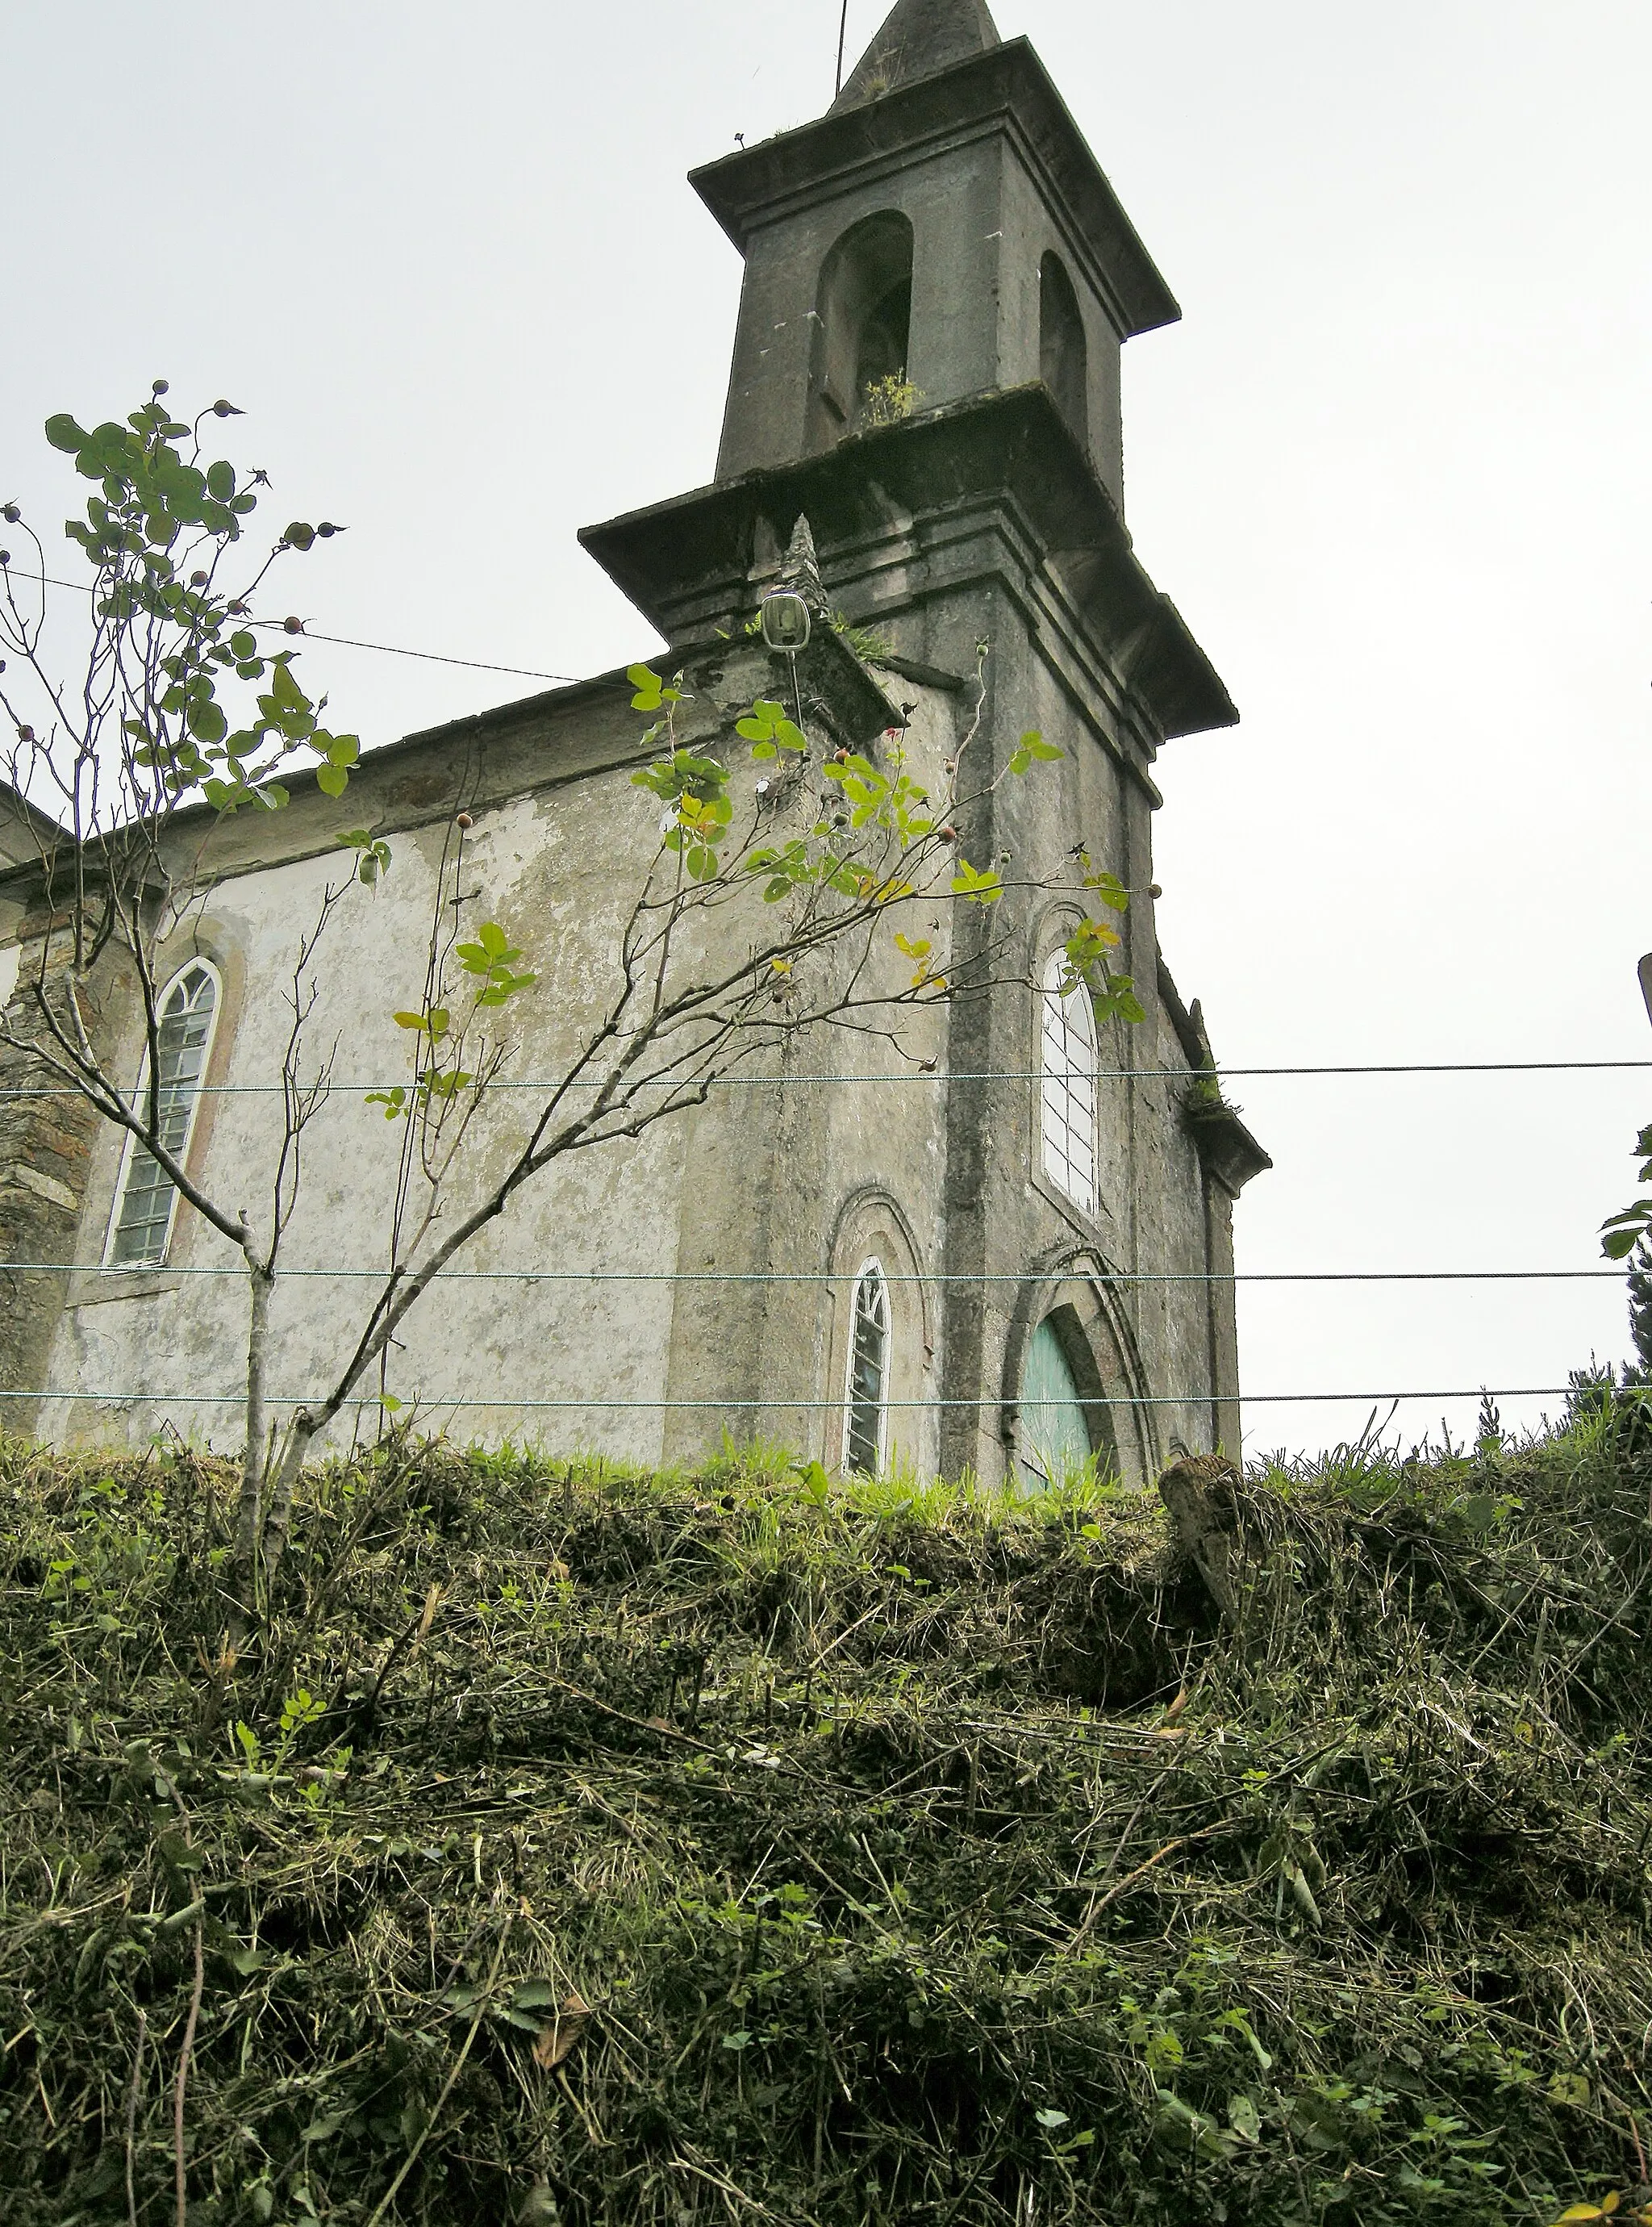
584 1845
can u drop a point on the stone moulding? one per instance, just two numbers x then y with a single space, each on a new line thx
687 563
1005 88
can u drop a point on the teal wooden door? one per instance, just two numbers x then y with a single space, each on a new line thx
1055 1436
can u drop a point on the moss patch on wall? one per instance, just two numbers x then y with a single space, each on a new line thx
589 1846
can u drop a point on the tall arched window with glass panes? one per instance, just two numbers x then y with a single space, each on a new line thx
146 1199
866 1404
1067 1114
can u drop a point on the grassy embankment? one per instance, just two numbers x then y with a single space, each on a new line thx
918 1858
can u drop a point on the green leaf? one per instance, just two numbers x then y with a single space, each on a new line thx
243 645
1032 745
651 690
332 780
63 433
220 481
284 691
206 722
767 726
1245 2119
976 886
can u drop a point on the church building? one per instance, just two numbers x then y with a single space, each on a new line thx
1004 1257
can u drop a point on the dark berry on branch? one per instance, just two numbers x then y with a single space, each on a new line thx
198 579
947 834
161 387
464 820
222 409
292 626
10 513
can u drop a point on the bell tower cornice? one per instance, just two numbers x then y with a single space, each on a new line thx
991 489
1004 89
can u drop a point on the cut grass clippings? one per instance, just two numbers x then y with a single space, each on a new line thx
587 1846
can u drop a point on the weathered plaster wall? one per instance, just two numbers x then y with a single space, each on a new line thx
824 1170
547 870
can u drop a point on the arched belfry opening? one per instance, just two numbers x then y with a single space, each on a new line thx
862 320
1062 358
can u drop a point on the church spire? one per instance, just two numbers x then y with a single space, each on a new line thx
918 38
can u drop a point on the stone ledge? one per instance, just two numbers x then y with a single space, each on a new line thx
43 1187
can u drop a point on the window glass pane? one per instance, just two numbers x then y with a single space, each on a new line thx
867 1372
1054 1433
1067 1093
146 1196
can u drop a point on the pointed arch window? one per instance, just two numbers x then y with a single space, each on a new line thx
1067 1089
146 1199
866 1405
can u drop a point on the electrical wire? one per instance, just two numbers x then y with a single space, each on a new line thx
349 641
918 1074
800 1407
828 1276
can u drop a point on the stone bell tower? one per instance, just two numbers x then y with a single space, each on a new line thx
938 282
944 220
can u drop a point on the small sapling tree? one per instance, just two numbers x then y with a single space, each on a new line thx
783 883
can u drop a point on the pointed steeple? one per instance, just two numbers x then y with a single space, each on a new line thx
918 38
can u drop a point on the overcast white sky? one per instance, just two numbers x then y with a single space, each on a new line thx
1393 467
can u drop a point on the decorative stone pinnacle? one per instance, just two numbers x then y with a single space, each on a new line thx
802 571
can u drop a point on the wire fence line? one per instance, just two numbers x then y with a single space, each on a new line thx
779 1405
831 1276
921 1075
347 641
